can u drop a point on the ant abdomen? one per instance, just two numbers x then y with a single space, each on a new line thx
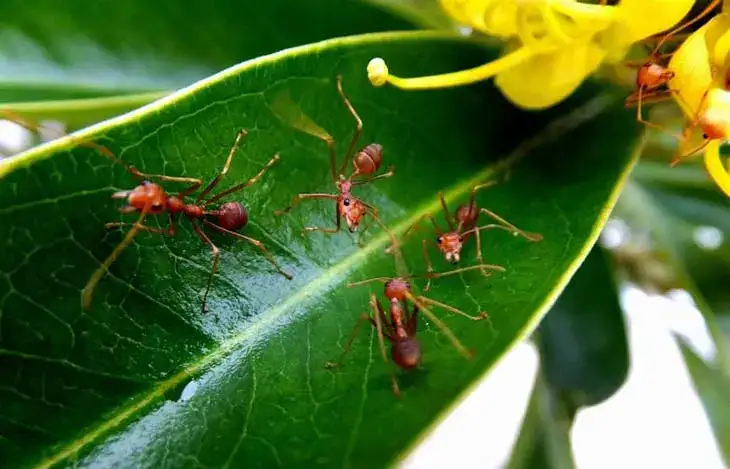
368 160
406 353
232 216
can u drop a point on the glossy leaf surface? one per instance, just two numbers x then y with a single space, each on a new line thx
144 379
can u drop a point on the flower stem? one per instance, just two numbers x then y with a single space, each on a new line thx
464 77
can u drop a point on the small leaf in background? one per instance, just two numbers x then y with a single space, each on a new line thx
81 63
583 361
582 340
713 387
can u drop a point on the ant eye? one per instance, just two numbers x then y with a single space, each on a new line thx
440 239
346 202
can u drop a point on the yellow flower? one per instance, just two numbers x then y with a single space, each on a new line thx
553 45
700 67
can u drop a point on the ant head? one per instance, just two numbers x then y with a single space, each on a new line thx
232 216
368 160
147 194
352 210
396 289
450 245
406 353
652 75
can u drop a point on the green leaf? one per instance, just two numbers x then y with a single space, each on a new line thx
713 387
582 340
85 388
75 51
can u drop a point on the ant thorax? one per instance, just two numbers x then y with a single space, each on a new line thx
450 245
147 195
396 316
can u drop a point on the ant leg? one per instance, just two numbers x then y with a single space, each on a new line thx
169 231
358 124
253 241
88 291
194 183
480 260
362 230
216 259
482 314
370 280
336 229
444 328
241 134
534 237
149 229
429 265
481 267
363 318
414 227
379 316
274 159
447 215
299 197
387 174
640 118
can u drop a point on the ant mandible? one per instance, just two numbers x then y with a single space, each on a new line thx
652 78
451 242
149 198
365 163
400 326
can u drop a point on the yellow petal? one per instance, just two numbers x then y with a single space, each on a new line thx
546 79
717 40
644 18
692 73
493 17
715 168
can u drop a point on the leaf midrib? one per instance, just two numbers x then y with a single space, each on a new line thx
333 275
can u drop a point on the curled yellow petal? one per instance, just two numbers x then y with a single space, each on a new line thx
717 40
546 79
378 73
715 168
692 72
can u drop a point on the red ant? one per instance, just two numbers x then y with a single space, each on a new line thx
652 77
450 243
365 163
150 198
399 326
